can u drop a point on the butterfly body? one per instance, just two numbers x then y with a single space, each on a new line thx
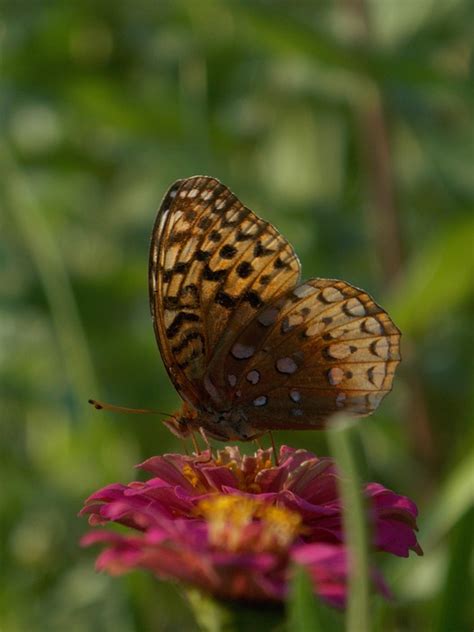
247 345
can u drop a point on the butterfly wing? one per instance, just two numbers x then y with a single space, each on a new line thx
213 265
324 347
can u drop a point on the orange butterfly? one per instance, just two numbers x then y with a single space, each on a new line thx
247 345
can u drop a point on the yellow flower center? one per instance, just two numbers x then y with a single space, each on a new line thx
190 474
240 523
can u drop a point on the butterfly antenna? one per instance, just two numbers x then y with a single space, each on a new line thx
123 409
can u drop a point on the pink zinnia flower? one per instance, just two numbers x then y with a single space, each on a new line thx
234 525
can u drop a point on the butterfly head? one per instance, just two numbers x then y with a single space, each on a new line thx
180 424
229 425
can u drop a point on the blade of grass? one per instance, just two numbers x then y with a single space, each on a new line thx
302 606
456 596
46 256
454 500
339 437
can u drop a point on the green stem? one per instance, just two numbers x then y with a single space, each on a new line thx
354 526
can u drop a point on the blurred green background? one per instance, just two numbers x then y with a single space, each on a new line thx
347 124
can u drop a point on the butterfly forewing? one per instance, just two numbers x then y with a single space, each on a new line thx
213 265
325 346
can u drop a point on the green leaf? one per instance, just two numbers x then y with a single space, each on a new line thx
438 279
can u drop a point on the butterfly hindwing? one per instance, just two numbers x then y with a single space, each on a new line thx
324 347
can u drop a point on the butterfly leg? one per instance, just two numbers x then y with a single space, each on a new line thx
197 451
203 434
275 453
258 443
185 446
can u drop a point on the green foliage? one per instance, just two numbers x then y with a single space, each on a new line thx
102 106
304 611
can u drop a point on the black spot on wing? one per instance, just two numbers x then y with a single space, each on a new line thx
205 223
243 236
213 275
244 269
202 255
178 321
253 298
279 263
224 299
228 251
179 236
181 267
261 251
192 335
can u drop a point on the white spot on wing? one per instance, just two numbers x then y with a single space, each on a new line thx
339 351
170 257
231 214
303 290
354 307
331 294
193 193
268 317
189 248
314 329
260 401
380 348
291 321
296 412
372 326
220 203
295 395
211 389
169 317
241 352
340 399
232 379
335 376
206 194
286 365
253 377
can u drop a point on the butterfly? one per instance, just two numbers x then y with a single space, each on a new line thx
248 346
